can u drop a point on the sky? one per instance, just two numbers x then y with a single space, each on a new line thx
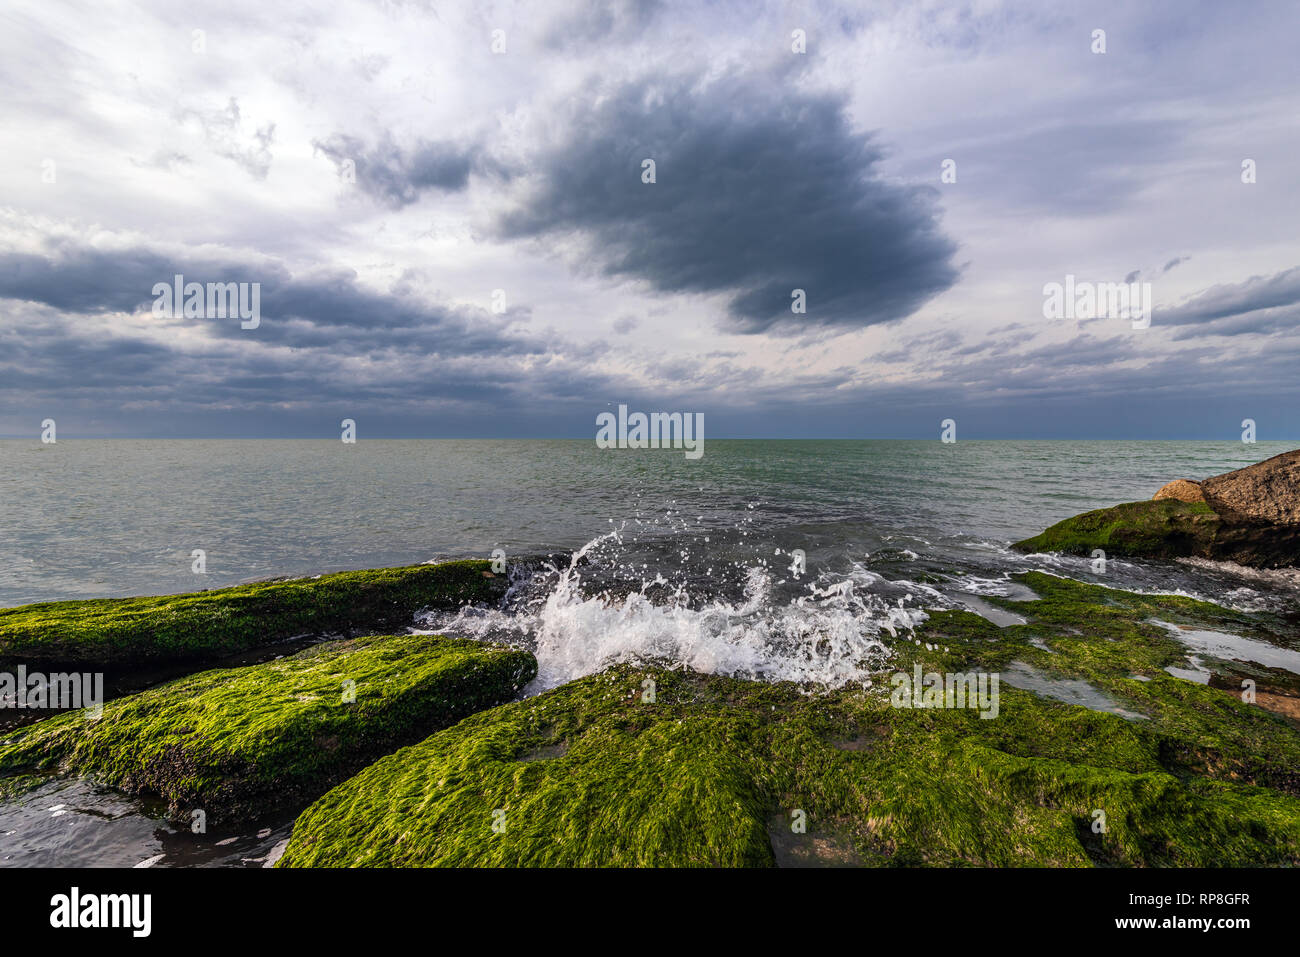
445 209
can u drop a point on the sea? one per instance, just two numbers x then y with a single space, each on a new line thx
774 560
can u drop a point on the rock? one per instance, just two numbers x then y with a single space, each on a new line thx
1155 529
1250 516
1267 492
163 629
1183 490
238 743
719 771
1169 529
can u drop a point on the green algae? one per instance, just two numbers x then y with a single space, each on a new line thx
1166 528
1108 637
120 632
1169 528
698 777
715 771
237 743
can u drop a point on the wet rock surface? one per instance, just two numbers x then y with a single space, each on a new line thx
707 770
242 742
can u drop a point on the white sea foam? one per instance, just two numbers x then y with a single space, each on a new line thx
975 585
830 635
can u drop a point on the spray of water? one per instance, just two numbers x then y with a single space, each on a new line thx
828 633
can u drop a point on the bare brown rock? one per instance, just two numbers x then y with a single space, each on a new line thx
1184 490
1265 493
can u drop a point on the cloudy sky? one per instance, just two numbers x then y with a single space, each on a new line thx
444 206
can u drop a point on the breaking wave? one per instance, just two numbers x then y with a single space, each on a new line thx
601 609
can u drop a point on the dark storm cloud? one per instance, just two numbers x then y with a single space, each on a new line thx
325 341
397 177
760 190
317 309
82 279
42 358
763 186
1260 304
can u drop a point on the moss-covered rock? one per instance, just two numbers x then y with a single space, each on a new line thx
117 632
1111 639
711 771
1168 528
240 742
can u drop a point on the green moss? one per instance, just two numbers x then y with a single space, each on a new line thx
204 625
1169 529
1108 638
711 772
243 741
1166 528
18 785
715 771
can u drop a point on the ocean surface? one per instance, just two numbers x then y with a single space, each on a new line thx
612 555
693 560
87 518
120 517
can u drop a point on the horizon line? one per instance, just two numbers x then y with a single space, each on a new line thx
571 438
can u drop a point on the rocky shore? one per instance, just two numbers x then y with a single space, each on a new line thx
121 633
1250 516
240 743
418 750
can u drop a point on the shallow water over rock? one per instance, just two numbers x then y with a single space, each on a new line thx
70 822
1066 690
1219 644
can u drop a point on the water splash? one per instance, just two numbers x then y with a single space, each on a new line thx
605 607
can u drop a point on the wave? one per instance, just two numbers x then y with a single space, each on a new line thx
679 592
578 621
